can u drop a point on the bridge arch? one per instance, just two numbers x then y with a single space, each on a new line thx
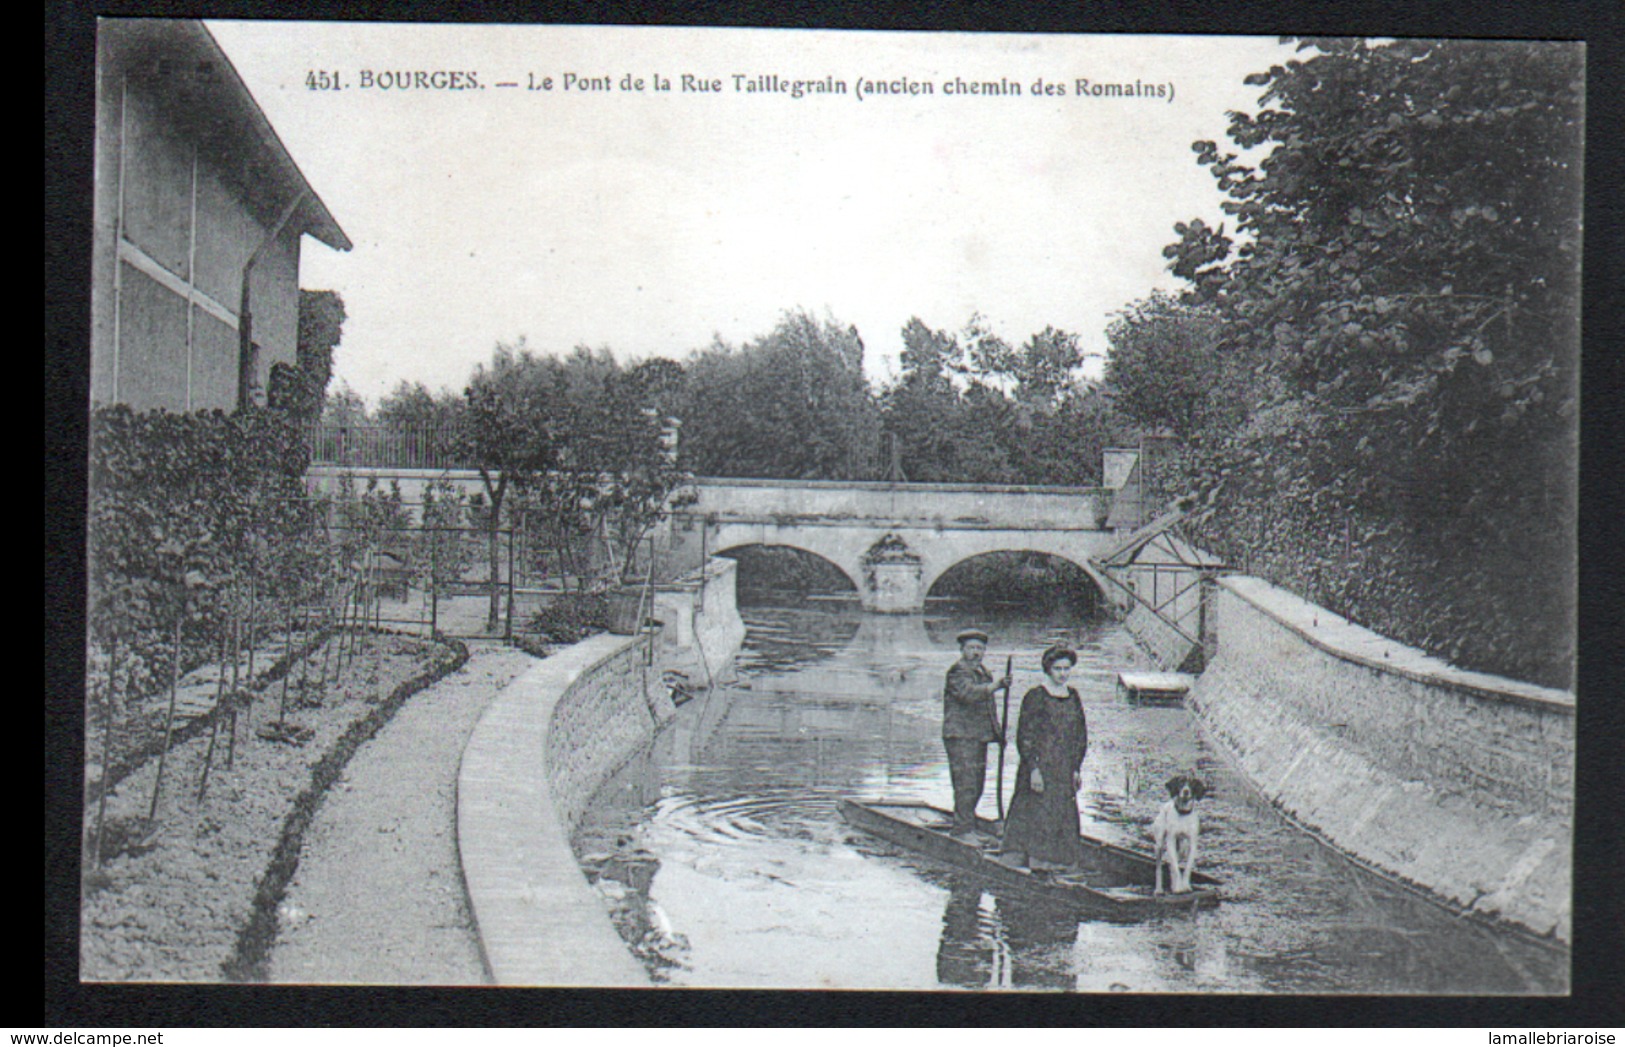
853 583
940 569
941 566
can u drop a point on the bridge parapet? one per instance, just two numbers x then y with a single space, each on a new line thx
872 504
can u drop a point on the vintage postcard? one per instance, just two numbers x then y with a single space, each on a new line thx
808 509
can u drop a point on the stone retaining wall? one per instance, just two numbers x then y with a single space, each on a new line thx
537 756
1461 783
701 628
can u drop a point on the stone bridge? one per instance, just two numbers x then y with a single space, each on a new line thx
893 541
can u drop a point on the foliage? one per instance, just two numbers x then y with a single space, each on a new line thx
301 390
511 428
412 406
972 408
366 523
1399 315
573 451
570 618
441 556
344 406
1163 371
793 403
182 509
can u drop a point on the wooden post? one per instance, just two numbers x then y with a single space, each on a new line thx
107 752
214 714
236 687
508 631
282 710
1004 739
169 718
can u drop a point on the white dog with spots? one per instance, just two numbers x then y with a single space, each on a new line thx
1175 831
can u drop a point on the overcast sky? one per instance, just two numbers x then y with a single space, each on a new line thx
649 221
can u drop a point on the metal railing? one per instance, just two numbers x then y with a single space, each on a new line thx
383 446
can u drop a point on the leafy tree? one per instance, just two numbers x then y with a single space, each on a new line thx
921 410
792 403
344 406
928 357
1403 288
1046 365
1165 369
412 406
1065 445
422 424
972 408
511 431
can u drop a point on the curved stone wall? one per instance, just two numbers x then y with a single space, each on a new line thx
1456 782
532 764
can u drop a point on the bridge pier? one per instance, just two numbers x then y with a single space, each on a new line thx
893 588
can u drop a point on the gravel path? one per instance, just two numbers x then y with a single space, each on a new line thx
378 897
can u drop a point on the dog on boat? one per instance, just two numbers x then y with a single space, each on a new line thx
1174 833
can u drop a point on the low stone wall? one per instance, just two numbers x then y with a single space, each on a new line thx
700 625
537 756
1460 783
518 794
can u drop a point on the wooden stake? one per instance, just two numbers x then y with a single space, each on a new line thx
107 752
214 715
282 710
169 718
236 691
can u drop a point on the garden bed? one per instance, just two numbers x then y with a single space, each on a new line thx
139 728
192 896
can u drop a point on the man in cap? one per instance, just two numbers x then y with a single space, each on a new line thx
969 722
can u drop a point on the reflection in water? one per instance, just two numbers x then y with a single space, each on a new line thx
723 857
965 953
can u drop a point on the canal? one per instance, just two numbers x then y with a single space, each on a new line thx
724 861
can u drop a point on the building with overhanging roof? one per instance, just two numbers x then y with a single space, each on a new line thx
200 214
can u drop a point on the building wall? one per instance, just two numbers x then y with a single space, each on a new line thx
188 234
1460 783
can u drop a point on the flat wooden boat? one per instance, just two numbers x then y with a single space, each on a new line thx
1113 881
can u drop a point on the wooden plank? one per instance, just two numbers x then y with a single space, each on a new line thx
1172 682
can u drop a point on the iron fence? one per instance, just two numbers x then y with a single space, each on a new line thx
384 446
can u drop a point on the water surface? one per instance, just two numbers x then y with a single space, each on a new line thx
726 863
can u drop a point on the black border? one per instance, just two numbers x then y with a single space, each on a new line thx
1597 998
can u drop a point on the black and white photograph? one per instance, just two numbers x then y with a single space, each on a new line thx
809 509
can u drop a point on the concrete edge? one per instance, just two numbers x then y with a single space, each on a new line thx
1339 636
537 920
1494 908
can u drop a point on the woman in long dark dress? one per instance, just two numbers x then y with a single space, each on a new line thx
1052 736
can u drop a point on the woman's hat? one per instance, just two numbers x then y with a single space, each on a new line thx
971 634
1058 653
